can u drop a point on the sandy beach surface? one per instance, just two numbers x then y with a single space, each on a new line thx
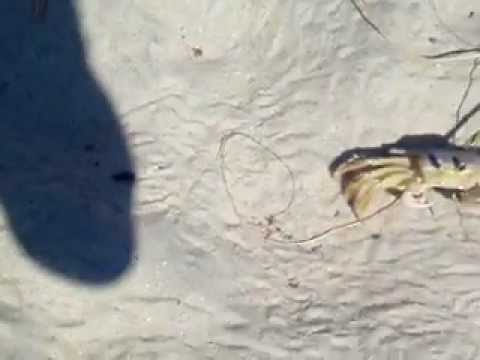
130 231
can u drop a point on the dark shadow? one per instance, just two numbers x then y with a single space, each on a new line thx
66 175
410 141
421 141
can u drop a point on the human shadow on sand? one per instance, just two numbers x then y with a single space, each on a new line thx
66 176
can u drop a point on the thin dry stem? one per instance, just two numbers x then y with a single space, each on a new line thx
348 224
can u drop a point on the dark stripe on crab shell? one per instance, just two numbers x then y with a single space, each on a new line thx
434 160
459 165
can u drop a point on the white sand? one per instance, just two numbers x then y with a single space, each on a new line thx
309 79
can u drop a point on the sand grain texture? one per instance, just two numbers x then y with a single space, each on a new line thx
308 79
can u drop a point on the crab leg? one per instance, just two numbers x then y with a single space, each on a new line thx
361 192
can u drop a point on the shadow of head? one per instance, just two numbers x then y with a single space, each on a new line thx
66 176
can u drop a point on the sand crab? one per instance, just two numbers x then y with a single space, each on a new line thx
409 170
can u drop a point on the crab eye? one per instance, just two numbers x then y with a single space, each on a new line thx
433 160
459 165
